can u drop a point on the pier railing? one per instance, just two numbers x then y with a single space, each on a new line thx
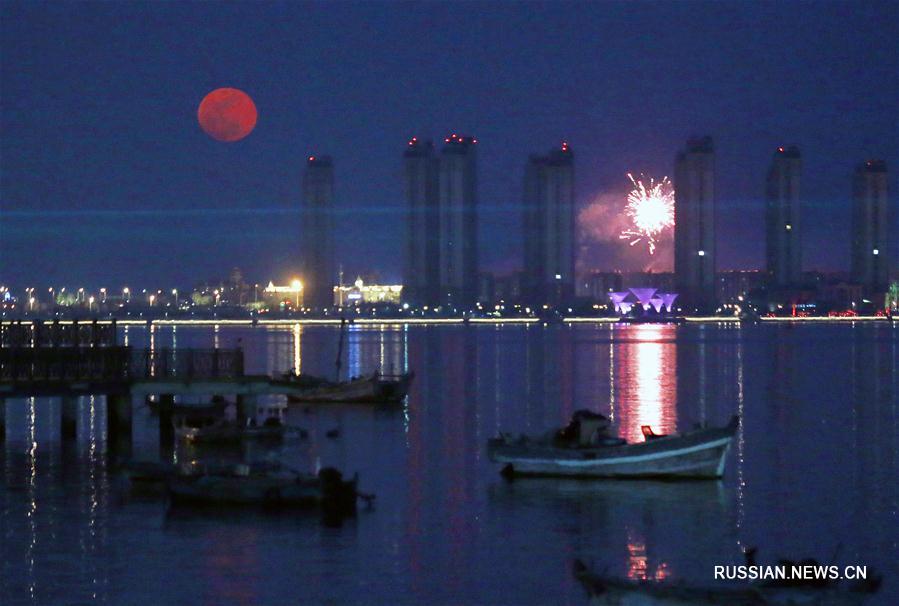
119 365
58 334
187 364
64 364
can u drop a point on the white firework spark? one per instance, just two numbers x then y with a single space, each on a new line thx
650 209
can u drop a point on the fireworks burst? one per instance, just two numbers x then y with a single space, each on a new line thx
650 209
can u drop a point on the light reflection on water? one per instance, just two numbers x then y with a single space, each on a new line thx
646 381
819 408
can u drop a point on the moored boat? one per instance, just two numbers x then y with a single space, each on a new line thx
268 485
585 449
207 426
606 590
376 388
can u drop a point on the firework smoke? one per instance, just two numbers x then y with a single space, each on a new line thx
650 210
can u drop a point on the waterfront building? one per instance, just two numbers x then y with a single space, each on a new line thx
733 284
598 285
871 244
288 295
317 256
509 287
421 275
782 220
486 287
549 223
457 223
360 293
694 229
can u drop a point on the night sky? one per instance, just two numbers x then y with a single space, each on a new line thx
107 179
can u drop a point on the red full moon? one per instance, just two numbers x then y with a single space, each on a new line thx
227 114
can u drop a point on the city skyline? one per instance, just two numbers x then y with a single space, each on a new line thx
108 173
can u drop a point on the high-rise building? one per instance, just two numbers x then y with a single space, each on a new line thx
782 219
549 227
458 227
318 232
871 227
421 278
694 223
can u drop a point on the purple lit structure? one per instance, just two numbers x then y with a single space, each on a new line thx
644 296
617 298
668 299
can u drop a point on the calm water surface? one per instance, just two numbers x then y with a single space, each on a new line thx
813 472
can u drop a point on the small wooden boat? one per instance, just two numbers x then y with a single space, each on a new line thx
269 485
585 449
214 427
605 590
373 389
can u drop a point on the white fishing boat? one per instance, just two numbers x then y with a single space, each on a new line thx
585 449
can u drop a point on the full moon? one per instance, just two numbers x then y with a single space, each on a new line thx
227 114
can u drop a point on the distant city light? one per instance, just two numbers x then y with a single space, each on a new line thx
876 251
651 210
701 253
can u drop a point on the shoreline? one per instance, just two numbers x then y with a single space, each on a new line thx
436 321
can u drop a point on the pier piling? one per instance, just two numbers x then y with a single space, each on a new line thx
246 408
166 430
118 425
69 425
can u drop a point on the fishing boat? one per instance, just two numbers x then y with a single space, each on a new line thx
211 426
265 484
586 449
606 590
376 388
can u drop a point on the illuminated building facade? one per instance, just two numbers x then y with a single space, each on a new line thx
549 227
694 217
422 268
871 227
360 293
458 227
290 295
782 219
318 231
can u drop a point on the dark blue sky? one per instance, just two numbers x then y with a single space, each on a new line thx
107 179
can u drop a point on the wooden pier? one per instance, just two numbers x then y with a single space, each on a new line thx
69 360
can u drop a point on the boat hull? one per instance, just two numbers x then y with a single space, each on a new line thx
611 591
228 434
369 390
236 491
327 491
696 455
